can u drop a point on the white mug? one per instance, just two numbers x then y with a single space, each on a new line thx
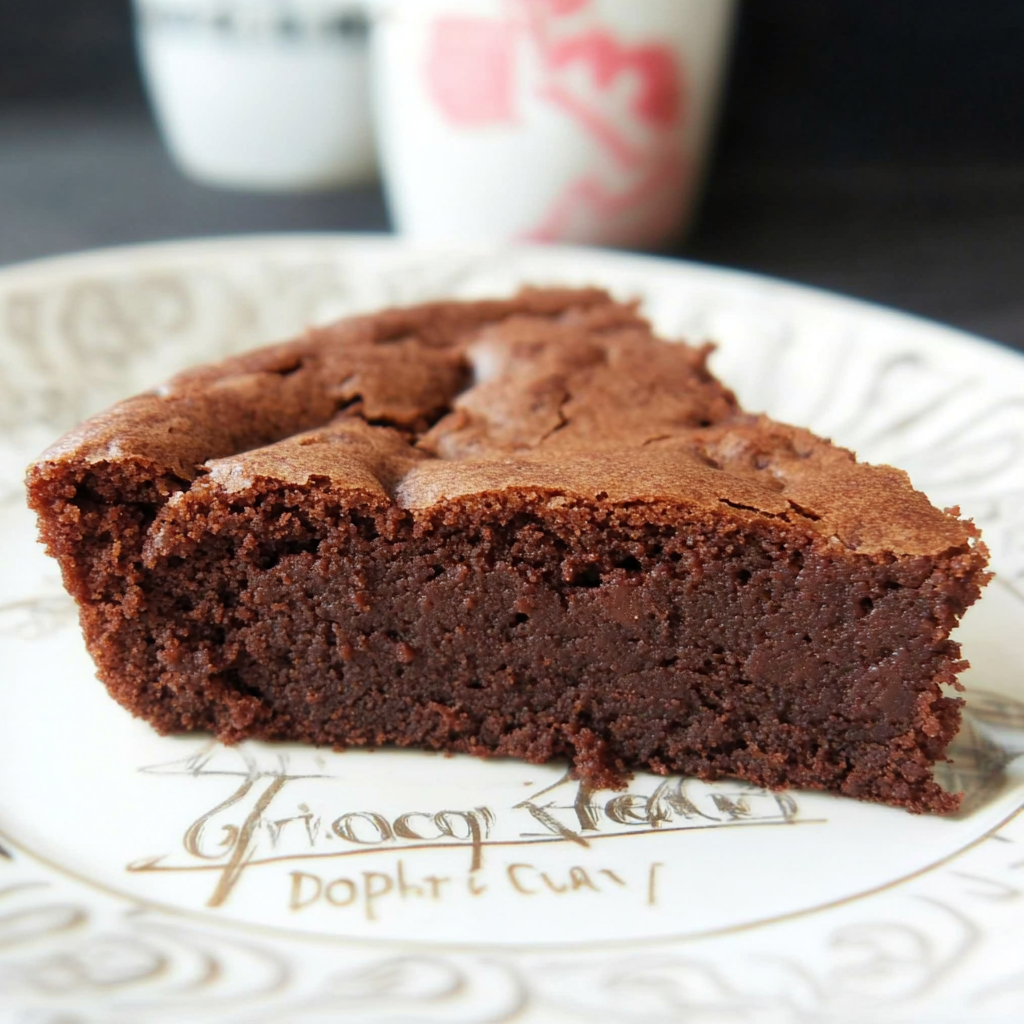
582 121
260 94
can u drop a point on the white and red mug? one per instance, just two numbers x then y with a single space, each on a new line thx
582 121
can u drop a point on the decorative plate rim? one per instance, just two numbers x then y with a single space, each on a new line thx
218 245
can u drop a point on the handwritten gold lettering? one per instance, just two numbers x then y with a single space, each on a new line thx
345 827
406 888
670 800
513 871
435 884
376 885
367 890
542 813
579 879
566 811
787 806
628 809
244 844
404 830
276 828
652 883
586 812
447 820
735 809
299 880
340 886
194 834
553 886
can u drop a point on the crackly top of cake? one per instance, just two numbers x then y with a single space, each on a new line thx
555 394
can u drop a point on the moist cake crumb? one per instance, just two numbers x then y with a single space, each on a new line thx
523 527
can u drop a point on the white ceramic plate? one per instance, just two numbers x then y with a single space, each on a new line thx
165 879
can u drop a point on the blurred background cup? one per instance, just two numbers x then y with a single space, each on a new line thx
583 121
260 94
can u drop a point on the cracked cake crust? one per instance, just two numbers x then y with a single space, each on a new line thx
525 527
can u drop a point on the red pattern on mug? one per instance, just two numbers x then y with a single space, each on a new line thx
471 70
561 8
658 99
592 210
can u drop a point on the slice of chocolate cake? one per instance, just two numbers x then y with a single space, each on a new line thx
525 528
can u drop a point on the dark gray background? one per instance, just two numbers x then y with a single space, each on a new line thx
870 146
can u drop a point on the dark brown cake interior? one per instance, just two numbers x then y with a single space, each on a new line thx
525 528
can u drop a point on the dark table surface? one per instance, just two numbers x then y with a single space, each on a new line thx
945 242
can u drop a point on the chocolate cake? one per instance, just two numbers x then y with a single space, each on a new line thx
526 528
